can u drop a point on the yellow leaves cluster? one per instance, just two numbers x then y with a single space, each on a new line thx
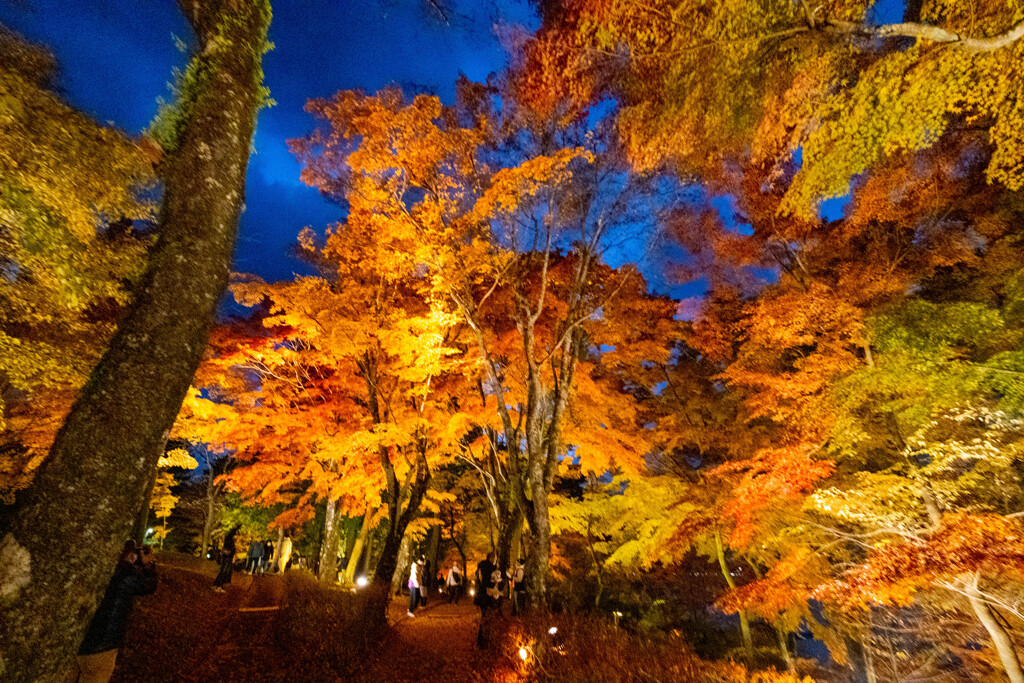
512 188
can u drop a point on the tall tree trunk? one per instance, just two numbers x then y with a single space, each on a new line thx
1000 638
433 548
539 555
91 485
781 636
327 567
748 642
210 518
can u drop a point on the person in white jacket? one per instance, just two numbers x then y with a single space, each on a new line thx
414 587
454 583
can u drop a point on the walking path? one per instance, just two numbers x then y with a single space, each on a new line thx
188 633
438 644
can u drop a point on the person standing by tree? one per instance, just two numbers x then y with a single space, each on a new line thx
426 580
519 588
134 575
414 588
227 560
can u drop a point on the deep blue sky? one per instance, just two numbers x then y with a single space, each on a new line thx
116 58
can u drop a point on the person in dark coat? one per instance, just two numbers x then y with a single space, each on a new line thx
134 575
268 556
484 598
227 560
252 558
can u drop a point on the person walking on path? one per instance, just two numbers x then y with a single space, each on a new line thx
414 588
134 575
268 556
484 598
252 558
227 560
454 583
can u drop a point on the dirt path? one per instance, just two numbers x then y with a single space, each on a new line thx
438 644
187 633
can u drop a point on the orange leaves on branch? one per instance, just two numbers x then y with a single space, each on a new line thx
772 477
963 544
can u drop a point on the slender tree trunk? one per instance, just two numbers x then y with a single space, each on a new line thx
401 565
433 548
210 519
91 485
278 547
869 664
780 636
142 518
356 555
327 567
748 643
1000 638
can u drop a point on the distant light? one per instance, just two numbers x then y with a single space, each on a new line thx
553 630
618 614
472 592
149 531
523 654
361 582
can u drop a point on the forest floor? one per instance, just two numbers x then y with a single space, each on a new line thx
187 632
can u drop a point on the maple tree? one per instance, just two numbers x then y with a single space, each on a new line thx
704 84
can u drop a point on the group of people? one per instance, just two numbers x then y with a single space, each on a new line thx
420 584
259 557
495 585
258 560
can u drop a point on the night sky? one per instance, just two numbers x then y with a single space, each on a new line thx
116 58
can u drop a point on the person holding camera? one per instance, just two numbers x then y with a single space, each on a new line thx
134 575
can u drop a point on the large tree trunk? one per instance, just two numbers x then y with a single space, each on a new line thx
91 485
539 554
402 563
509 527
327 567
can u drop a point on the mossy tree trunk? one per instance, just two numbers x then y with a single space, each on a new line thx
91 486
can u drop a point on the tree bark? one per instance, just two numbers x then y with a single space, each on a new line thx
142 517
1000 638
92 483
327 567
748 642
780 636
509 525
355 555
